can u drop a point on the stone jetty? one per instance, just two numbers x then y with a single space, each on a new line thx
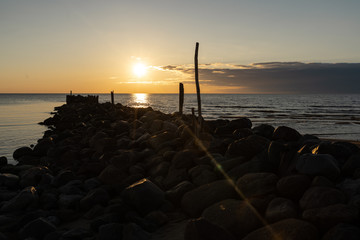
105 171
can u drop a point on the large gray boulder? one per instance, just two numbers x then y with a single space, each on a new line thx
196 200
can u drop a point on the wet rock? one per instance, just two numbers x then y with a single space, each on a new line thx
23 151
286 134
351 187
279 209
242 133
176 193
319 164
91 184
48 200
317 197
27 197
160 169
264 130
275 152
294 186
196 200
94 212
236 216
233 125
37 228
248 147
257 184
111 231
144 196
96 196
343 231
9 180
72 187
329 216
202 174
286 229
157 218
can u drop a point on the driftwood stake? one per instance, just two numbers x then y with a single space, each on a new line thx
112 97
197 79
181 98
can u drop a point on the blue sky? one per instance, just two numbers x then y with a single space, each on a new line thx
91 45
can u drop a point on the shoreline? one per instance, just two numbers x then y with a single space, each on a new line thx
110 170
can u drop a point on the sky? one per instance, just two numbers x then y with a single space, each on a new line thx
147 46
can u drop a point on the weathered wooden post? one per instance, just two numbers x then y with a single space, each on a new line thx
181 98
199 127
112 97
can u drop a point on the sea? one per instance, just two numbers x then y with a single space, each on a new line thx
326 116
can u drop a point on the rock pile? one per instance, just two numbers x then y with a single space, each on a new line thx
106 171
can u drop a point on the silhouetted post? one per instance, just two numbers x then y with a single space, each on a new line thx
70 92
112 97
198 87
181 98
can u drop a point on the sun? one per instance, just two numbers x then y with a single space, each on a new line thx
139 69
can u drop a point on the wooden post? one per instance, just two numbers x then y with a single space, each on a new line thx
197 79
181 98
112 97
70 92
199 127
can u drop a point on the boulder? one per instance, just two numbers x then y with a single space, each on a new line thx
351 165
183 159
329 216
112 175
202 174
3 161
343 231
9 180
339 151
32 176
42 147
351 187
37 229
257 184
76 233
321 181
96 196
175 176
248 147
111 231
293 186
70 201
318 165
291 228
286 134
317 197
279 209
176 193
202 229
253 166
132 231
144 196
23 151
158 141
236 216
264 130
27 197
196 200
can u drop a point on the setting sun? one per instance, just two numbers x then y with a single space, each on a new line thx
139 69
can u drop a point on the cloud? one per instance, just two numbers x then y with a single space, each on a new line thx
278 77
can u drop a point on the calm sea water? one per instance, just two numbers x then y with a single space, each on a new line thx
327 116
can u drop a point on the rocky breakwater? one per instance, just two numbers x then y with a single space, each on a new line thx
106 171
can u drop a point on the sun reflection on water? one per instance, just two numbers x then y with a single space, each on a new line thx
140 100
